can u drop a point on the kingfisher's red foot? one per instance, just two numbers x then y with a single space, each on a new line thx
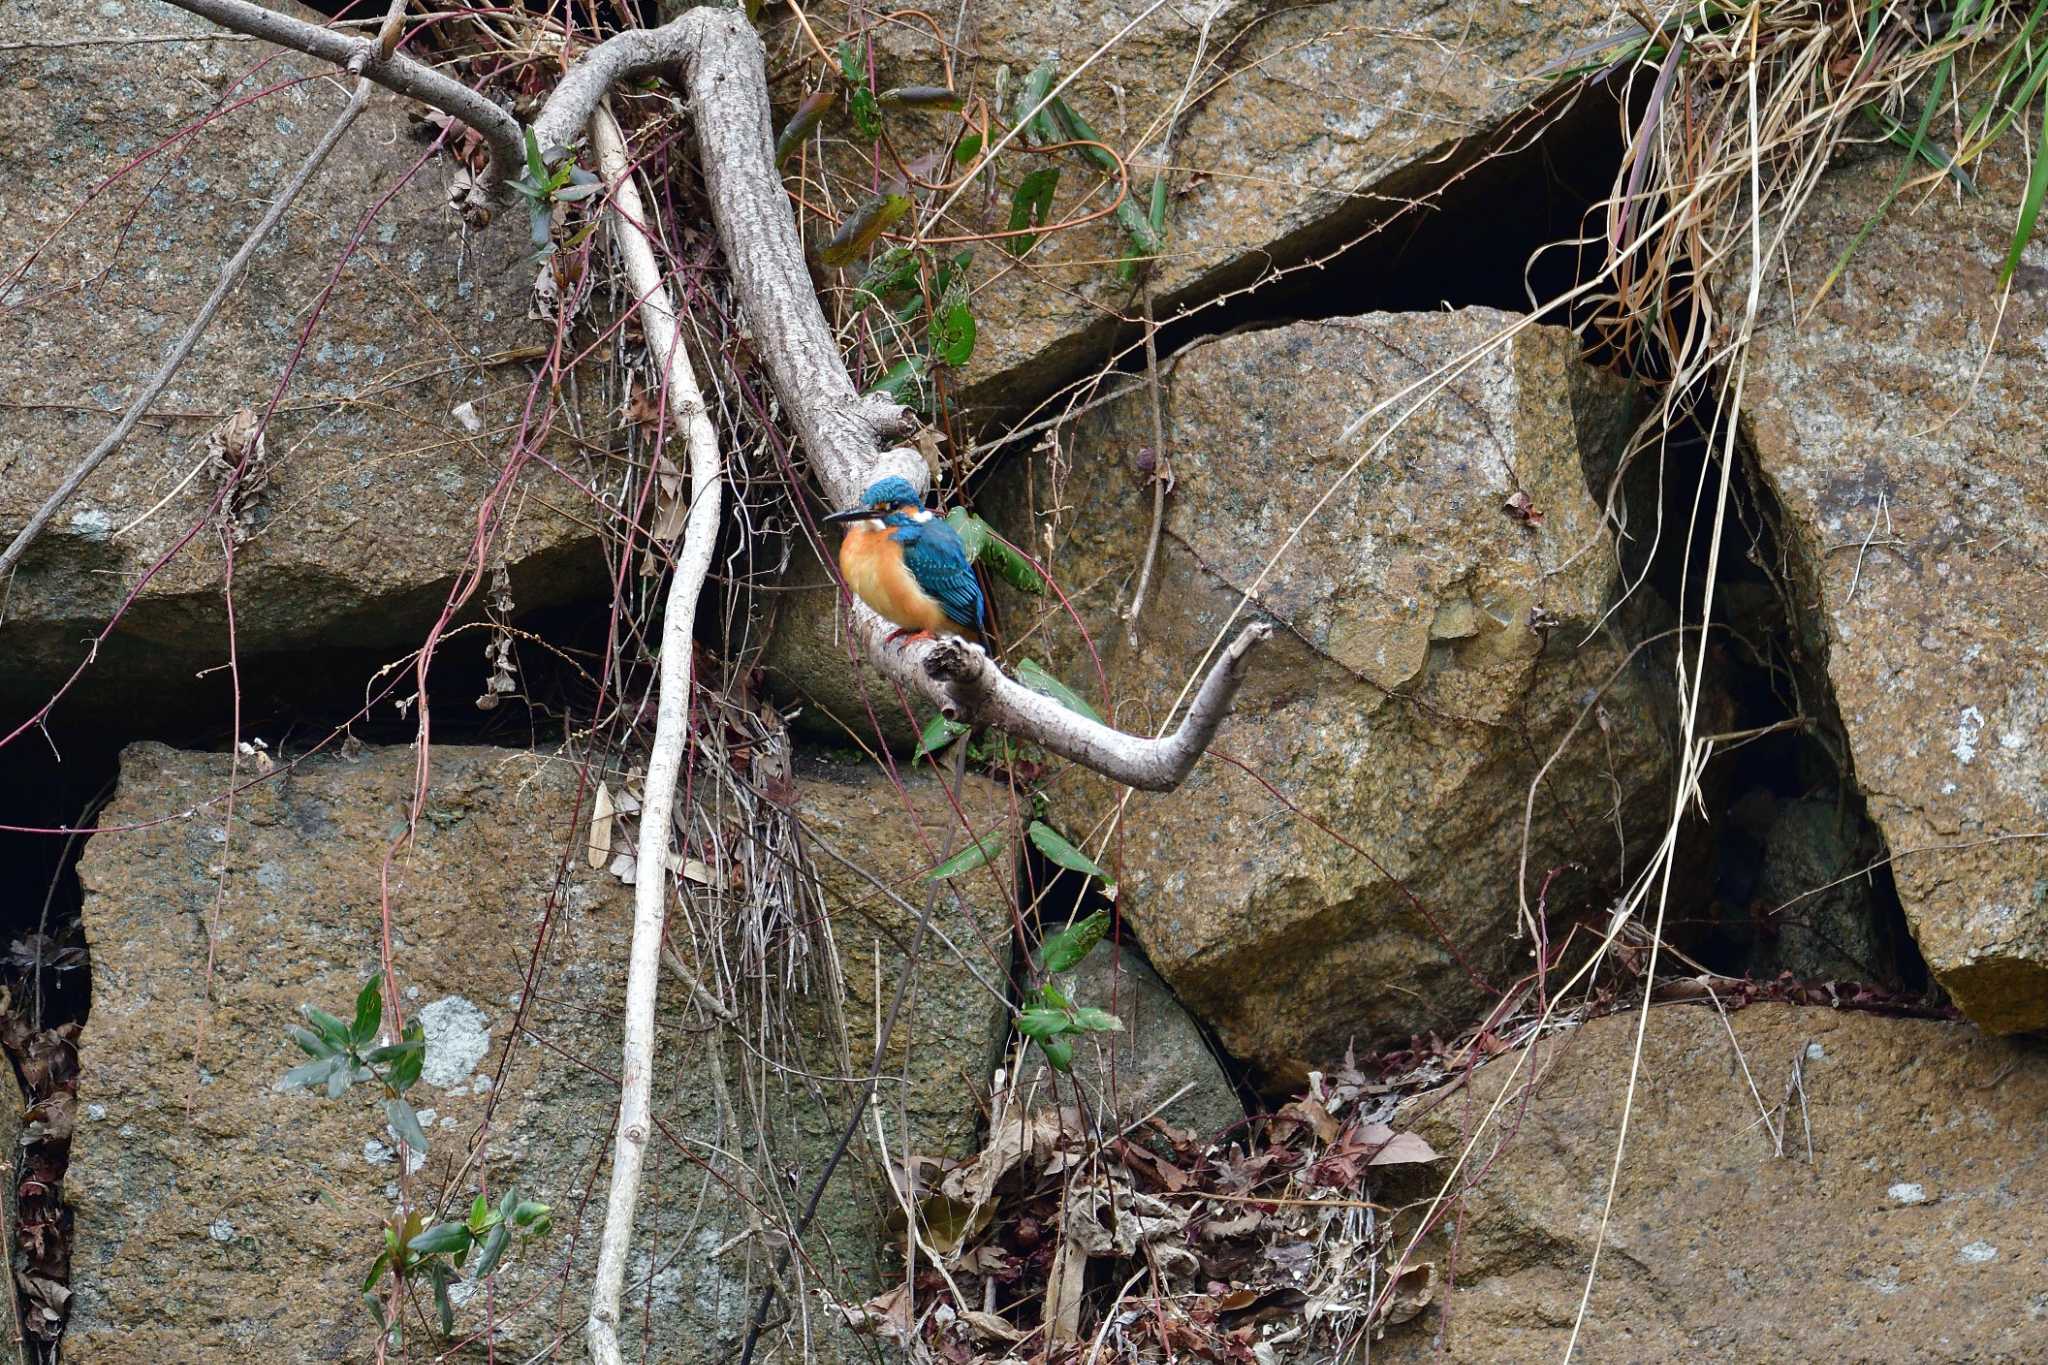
908 636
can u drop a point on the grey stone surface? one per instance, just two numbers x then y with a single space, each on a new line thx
220 1217
1899 426
374 487
1433 651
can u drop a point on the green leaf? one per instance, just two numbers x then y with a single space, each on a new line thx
377 1269
440 1275
331 1028
1063 951
986 548
972 530
479 1210
392 1052
313 1073
1133 219
1059 1053
937 735
528 1212
2030 206
860 100
862 226
982 850
952 334
893 271
1033 111
810 111
310 1043
369 1010
536 168
905 381
340 1079
1052 997
1088 1020
494 1247
406 1124
1031 206
405 1071
441 1238
920 97
1053 845
968 148
1041 1023
575 192
1033 675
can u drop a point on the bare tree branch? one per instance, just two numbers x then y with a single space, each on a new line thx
393 71
846 435
626 219
718 59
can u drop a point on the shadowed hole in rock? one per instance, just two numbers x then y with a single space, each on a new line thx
1790 873
1434 237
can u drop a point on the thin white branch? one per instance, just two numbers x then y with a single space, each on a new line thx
230 276
627 224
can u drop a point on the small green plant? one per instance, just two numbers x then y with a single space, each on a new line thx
544 186
436 1252
342 1057
1053 1019
414 1249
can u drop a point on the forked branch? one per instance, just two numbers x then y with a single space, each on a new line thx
717 59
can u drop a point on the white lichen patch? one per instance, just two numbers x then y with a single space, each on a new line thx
1977 1253
1908 1192
458 1036
1969 727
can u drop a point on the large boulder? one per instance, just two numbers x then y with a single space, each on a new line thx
1899 427
220 1216
1434 649
1301 127
374 482
1799 1184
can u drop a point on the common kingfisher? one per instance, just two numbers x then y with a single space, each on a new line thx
903 560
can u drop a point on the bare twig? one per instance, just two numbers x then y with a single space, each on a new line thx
1161 473
230 276
846 434
626 219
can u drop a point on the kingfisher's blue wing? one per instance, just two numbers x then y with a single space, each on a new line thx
938 561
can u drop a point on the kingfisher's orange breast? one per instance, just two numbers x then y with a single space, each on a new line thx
874 569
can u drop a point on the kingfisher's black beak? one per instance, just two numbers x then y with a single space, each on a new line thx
850 514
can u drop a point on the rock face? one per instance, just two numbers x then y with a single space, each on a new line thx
1434 649
1914 1231
1906 462
373 486
220 1217
1309 125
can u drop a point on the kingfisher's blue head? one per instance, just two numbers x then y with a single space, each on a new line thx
892 501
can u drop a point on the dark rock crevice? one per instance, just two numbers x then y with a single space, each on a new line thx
1790 874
